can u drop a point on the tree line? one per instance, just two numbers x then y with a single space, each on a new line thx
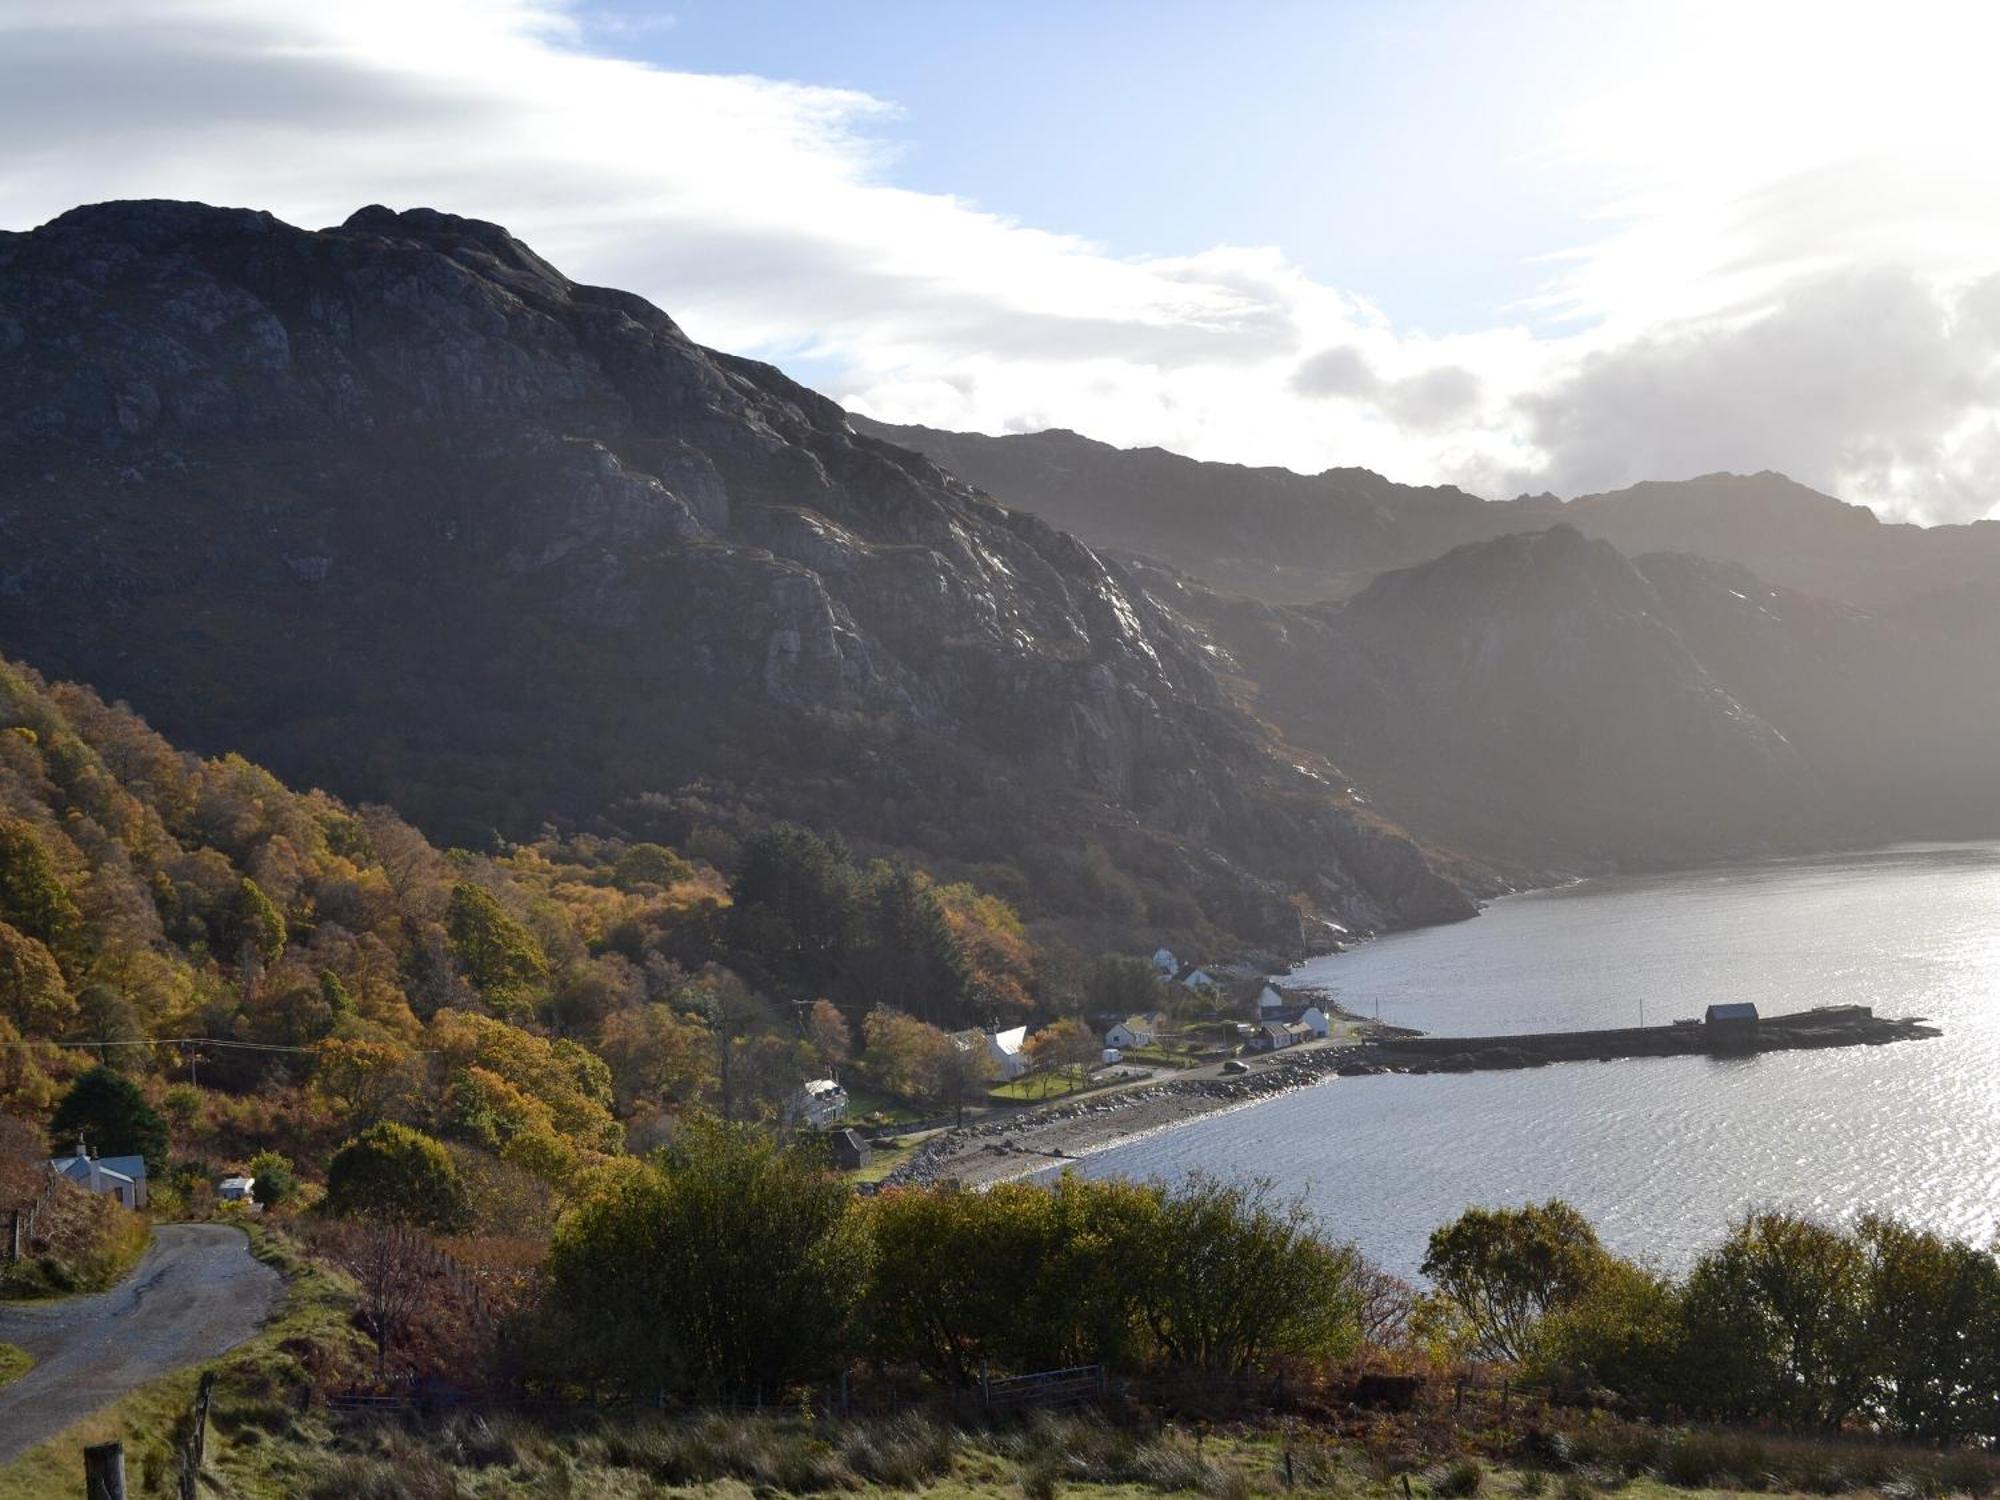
1788 1319
731 1267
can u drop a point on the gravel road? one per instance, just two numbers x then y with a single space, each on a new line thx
196 1293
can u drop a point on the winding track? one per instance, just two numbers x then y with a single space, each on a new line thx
196 1293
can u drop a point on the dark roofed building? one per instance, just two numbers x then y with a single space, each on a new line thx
1731 1024
850 1150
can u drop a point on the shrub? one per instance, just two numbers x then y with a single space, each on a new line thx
400 1175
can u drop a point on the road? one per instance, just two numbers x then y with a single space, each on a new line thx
196 1293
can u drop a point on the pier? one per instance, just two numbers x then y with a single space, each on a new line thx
1727 1031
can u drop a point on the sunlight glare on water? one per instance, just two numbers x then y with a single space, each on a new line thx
1661 1153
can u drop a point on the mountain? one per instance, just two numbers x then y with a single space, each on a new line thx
1284 537
398 509
1268 533
1530 698
1542 699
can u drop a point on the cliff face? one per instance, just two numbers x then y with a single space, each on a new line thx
1282 537
398 508
1267 533
1533 698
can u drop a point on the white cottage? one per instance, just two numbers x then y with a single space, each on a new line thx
1165 962
123 1177
1134 1031
1005 1055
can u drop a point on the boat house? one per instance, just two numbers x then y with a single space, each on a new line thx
1733 1024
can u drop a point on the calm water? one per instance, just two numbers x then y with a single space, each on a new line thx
1659 1152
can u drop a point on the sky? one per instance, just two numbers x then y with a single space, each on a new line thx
1538 245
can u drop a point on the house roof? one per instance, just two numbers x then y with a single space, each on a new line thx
77 1168
237 1184
818 1086
1011 1040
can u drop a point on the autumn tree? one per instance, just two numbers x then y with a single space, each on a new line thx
907 1056
33 992
32 894
1504 1269
1065 1045
828 1033
500 956
257 927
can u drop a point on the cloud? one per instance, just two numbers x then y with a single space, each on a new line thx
1739 305
1868 382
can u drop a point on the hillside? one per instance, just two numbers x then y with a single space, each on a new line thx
397 509
1283 537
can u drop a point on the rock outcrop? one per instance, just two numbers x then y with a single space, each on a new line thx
399 508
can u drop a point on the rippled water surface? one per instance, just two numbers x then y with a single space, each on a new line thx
1659 1152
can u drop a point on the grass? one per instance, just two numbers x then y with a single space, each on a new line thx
866 1106
1161 1057
14 1363
261 1442
95 1244
884 1157
1029 1089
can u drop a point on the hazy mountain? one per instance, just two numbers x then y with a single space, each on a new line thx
1285 537
398 509
1528 697
1541 698
1266 532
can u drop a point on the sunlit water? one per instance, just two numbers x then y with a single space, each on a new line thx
1660 1153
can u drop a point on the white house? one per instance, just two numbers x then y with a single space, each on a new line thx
1005 1058
1316 1021
1195 977
1269 998
1005 1050
819 1103
1134 1031
236 1189
124 1177
1165 962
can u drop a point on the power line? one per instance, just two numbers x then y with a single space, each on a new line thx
216 1041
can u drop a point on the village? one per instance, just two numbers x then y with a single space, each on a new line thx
1211 1041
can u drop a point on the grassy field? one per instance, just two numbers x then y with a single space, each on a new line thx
1030 1090
259 1444
14 1362
884 1157
742 1455
92 1244
867 1106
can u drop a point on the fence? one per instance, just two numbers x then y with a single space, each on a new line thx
1045 1387
22 1227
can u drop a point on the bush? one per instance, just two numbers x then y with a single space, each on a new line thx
728 1267
394 1173
275 1181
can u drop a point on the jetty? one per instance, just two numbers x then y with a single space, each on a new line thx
1724 1031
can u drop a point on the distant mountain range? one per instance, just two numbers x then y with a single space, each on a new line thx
1672 672
1284 537
398 509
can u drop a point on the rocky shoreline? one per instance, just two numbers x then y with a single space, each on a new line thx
1018 1145
994 1150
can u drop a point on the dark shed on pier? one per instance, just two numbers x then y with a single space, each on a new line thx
1734 1023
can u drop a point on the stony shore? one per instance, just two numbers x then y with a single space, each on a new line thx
999 1148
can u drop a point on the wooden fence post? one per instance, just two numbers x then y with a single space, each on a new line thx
206 1389
104 1472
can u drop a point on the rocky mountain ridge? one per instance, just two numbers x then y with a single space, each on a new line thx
1284 537
397 508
